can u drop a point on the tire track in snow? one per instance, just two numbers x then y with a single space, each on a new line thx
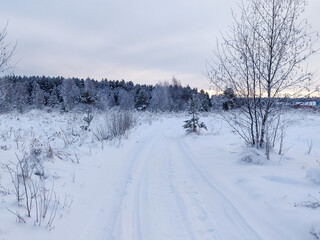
188 207
195 224
180 203
234 219
135 163
151 169
168 214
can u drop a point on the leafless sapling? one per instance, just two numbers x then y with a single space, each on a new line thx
262 59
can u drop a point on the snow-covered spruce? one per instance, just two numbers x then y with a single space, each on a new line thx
192 125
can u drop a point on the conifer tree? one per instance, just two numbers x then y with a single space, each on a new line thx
53 100
192 125
37 96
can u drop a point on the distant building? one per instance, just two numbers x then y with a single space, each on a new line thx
308 104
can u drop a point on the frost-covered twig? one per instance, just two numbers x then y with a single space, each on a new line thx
18 215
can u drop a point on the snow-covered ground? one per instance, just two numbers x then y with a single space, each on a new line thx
160 183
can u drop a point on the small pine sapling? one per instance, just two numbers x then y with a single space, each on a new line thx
192 125
87 120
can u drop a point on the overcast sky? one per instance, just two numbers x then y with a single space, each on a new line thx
139 40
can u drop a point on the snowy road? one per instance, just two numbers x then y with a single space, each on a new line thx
157 185
161 193
169 197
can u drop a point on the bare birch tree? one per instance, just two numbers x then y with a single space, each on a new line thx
6 51
261 59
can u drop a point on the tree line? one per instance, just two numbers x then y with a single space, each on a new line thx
38 92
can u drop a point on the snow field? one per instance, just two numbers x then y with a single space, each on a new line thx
163 184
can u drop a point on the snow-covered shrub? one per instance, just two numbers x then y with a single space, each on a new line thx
117 125
14 171
253 156
45 202
308 204
35 158
121 122
29 185
48 151
101 132
87 119
67 138
21 177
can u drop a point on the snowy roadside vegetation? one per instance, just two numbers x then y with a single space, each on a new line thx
41 153
154 181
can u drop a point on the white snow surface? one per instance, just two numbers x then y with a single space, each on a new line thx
161 183
314 175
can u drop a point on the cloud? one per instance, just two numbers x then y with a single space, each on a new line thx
140 40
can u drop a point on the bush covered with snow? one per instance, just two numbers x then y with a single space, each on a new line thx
116 125
253 156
